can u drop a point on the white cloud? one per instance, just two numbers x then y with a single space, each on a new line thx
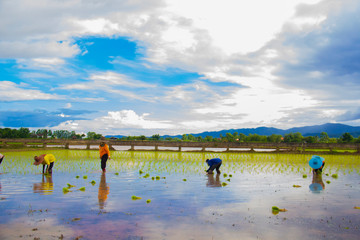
10 91
110 82
246 43
124 122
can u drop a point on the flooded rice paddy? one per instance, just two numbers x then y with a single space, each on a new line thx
167 195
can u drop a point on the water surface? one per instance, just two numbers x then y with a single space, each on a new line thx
178 200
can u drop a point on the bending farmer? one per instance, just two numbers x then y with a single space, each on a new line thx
317 163
1 158
104 154
213 163
45 159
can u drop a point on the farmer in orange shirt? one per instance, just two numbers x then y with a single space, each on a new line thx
104 154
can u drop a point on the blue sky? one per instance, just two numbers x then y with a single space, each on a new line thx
174 67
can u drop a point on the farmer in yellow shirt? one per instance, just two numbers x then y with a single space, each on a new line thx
45 159
104 154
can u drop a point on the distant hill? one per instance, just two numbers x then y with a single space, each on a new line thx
332 129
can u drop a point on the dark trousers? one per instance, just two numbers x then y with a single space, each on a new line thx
48 167
217 166
104 159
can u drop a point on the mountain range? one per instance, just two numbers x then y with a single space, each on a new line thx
334 130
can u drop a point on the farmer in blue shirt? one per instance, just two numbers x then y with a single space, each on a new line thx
213 163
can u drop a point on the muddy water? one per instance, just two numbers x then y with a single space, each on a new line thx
183 202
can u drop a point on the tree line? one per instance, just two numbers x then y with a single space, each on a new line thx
236 137
45 134
228 137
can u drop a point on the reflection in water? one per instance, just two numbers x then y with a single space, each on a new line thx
213 182
46 186
317 184
104 190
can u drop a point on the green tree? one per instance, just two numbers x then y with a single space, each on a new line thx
209 138
184 137
242 137
274 138
191 138
324 137
293 137
229 137
24 133
311 139
346 138
155 137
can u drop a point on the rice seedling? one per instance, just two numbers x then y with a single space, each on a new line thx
133 197
70 186
328 182
148 201
334 176
184 180
304 176
82 189
275 210
296 186
65 190
93 182
85 177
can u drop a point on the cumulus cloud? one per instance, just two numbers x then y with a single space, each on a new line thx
124 122
277 74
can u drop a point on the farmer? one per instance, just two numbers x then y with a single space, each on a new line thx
45 159
1 158
213 163
317 163
104 154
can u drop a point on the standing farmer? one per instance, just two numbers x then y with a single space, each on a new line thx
213 163
104 154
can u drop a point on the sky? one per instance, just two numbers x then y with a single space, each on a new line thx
168 67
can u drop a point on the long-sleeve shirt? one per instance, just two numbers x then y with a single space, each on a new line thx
104 150
213 161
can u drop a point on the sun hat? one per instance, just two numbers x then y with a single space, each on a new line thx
38 160
316 162
1 157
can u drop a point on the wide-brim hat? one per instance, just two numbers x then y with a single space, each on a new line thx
316 162
38 162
